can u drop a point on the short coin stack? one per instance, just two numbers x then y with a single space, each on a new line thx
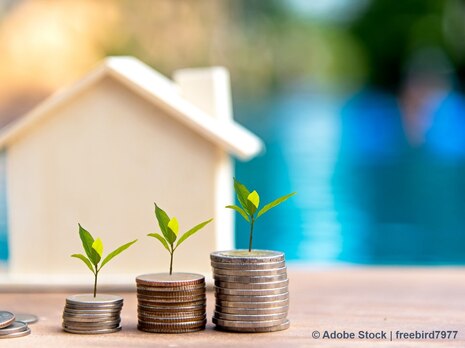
171 303
86 314
10 328
251 290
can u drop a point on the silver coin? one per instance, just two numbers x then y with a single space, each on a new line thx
72 311
254 305
91 309
248 266
247 324
6 319
171 294
16 326
151 319
251 286
250 279
187 324
170 330
17 334
92 332
26 318
89 299
172 309
284 326
165 279
179 316
171 304
240 292
94 305
250 317
267 298
250 273
91 314
170 314
92 324
171 289
90 319
252 311
171 300
244 256
90 327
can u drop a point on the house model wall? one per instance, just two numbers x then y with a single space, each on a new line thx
101 151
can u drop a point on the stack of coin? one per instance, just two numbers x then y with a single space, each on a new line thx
10 328
251 290
86 314
173 303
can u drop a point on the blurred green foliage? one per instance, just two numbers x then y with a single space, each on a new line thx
391 32
268 44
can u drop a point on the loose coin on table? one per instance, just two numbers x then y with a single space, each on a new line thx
15 329
26 318
6 318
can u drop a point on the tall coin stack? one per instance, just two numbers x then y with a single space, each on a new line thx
251 290
173 303
86 314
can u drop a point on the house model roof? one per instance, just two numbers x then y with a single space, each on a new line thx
159 90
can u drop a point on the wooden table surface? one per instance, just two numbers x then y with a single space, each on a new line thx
350 299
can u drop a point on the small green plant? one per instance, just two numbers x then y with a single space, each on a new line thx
94 251
250 201
170 229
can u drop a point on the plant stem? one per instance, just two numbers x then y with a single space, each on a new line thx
252 221
95 283
171 262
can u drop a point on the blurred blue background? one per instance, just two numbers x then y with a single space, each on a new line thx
360 104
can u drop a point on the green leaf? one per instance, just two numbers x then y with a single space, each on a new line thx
116 252
170 236
192 231
98 246
240 211
253 201
85 260
173 225
242 193
87 241
274 203
254 198
161 239
163 220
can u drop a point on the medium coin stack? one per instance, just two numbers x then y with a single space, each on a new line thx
10 328
173 303
251 290
86 314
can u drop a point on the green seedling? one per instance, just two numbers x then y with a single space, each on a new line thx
94 251
170 229
250 201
